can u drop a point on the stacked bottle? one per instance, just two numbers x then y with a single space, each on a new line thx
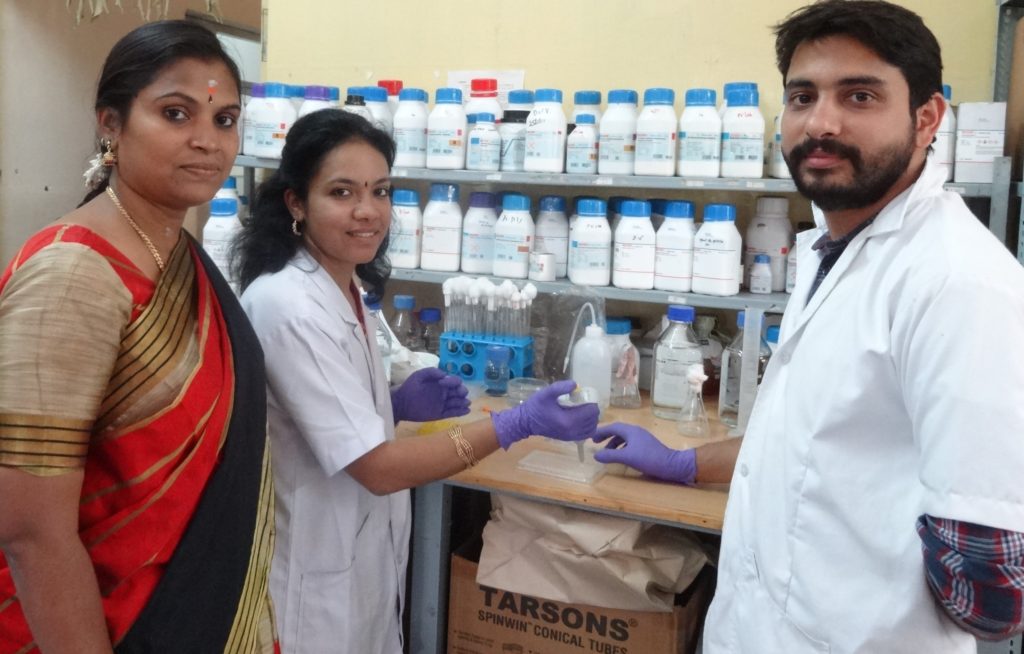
513 237
656 134
635 240
552 232
406 228
590 244
446 131
673 258
617 134
442 229
478 234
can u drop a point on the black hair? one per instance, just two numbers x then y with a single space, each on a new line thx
266 242
136 60
894 33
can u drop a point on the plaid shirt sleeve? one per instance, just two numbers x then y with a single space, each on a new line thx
977 575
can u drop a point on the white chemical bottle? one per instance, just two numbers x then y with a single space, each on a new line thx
257 95
552 232
483 98
791 270
700 136
478 234
590 245
742 136
945 138
513 237
676 350
770 233
269 120
586 102
777 167
520 100
545 133
446 131
406 229
656 134
393 87
513 140
761 274
635 240
484 149
733 86
617 134
315 98
219 234
590 365
673 255
355 104
581 147
442 229
717 252
410 128
376 100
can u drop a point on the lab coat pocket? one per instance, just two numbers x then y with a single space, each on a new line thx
324 613
762 625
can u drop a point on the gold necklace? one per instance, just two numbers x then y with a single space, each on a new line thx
138 230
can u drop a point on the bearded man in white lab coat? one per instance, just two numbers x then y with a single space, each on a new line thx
876 503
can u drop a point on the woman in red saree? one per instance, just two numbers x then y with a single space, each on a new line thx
137 504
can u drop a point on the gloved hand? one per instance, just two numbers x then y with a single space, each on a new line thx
429 394
638 448
541 415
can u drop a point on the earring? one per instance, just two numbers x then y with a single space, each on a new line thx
109 156
295 228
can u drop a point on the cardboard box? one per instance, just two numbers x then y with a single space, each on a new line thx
485 620
980 135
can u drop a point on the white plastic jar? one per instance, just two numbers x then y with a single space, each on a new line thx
484 149
269 120
742 136
586 102
410 128
545 133
442 229
478 234
656 134
581 146
700 136
513 140
617 134
483 98
635 240
446 131
590 246
673 255
761 275
717 252
777 167
257 94
315 98
406 229
769 233
513 237
552 232
376 100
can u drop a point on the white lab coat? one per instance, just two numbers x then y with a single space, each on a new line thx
338 572
897 391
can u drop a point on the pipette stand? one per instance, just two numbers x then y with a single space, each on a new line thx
464 354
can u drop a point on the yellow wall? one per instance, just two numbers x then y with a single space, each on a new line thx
575 44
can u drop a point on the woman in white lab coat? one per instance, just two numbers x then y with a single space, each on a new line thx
318 230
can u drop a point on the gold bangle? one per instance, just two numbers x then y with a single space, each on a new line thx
462 447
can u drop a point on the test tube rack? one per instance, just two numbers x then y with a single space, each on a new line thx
465 354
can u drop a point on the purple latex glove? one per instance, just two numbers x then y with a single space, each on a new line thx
429 394
638 448
541 415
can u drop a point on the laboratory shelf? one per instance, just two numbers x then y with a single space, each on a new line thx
769 303
767 185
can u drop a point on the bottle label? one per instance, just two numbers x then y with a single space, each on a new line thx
445 142
634 257
403 239
700 146
673 263
556 245
671 367
617 147
477 246
483 152
513 152
585 255
269 135
742 146
581 156
943 146
543 144
655 146
511 248
761 281
410 140
716 263
440 240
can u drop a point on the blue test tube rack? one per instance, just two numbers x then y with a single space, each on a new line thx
465 354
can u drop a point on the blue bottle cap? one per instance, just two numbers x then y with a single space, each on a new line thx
679 209
731 86
258 90
681 313
515 202
448 95
405 197
700 98
659 96
296 91
223 207
772 334
375 94
484 117
719 212
430 315
741 98
334 92
471 119
618 326
587 97
762 258
947 92
482 200
498 354
548 95
416 95
552 203
404 302
636 209
230 183
658 206
585 119
592 207
520 96
356 90
615 203
314 92
622 96
444 192
275 90
372 305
